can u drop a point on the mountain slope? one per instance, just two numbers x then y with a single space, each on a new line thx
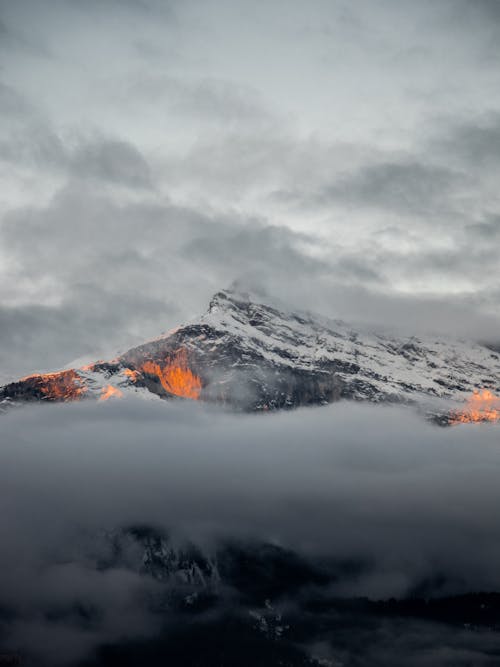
250 356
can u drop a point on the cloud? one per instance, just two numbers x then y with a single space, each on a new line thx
102 274
206 99
17 38
92 273
476 143
405 187
483 15
89 323
408 502
105 160
12 103
340 188
114 161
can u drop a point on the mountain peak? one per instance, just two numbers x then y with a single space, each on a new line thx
227 299
250 356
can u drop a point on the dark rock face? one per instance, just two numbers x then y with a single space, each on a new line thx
235 375
256 603
250 356
63 386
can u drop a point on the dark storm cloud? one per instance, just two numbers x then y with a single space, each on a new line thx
88 322
471 315
115 161
355 268
33 143
470 250
476 143
260 247
18 40
485 12
405 187
488 230
373 485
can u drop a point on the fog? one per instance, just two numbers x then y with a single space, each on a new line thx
374 485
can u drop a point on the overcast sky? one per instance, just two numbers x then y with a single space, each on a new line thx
343 155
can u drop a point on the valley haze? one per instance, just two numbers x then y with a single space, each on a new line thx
412 508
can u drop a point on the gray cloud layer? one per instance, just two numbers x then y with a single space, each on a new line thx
374 485
152 153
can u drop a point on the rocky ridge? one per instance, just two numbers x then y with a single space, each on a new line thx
253 357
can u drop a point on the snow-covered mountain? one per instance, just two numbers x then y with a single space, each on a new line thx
251 356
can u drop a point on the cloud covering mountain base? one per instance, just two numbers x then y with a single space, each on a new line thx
362 501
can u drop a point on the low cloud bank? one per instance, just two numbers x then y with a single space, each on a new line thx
374 485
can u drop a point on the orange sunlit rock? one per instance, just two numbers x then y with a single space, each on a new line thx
175 376
132 375
59 386
482 406
110 392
